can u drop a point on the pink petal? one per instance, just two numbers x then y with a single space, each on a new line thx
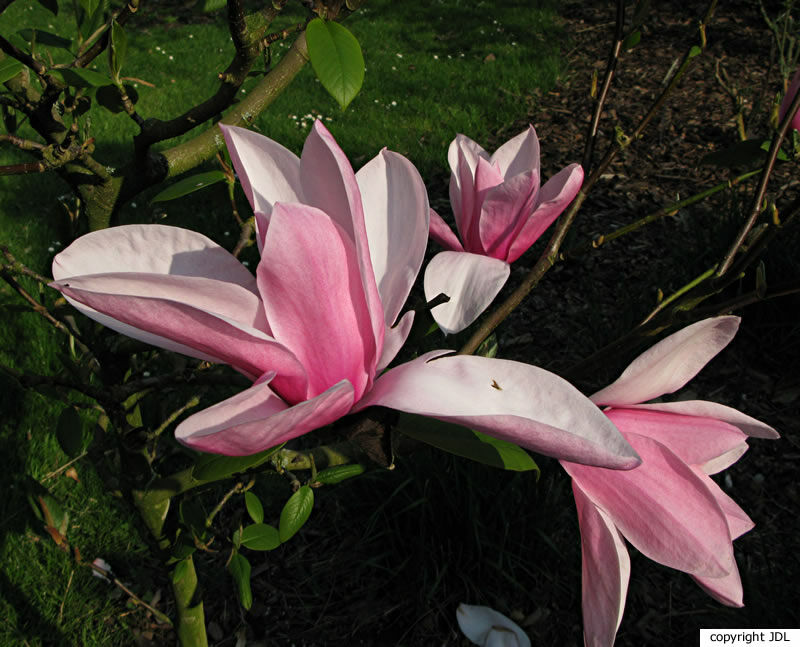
156 249
663 508
606 569
505 211
463 147
394 338
440 231
519 154
510 400
463 200
188 329
257 419
311 286
726 589
486 178
269 173
693 439
787 101
671 363
471 281
396 215
748 425
554 197
330 185
738 521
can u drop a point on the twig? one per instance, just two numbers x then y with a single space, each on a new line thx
236 489
65 466
64 599
193 402
611 65
134 598
758 196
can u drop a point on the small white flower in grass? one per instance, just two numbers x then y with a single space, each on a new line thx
51 249
133 205
227 233
171 57
191 35
145 373
488 628
103 565
436 57
399 55
394 103
394 68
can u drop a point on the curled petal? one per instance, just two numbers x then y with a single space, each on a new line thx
489 628
606 569
519 154
738 521
440 231
257 419
553 198
671 363
154 249
184 328
311 287
269 173
726 590
663 508
471 281
517 402
695 440
329 184
397 216
750 426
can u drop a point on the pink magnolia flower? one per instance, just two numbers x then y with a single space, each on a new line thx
489 628
320 320
794 86
500 211
668 507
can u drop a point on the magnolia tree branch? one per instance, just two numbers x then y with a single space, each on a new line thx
550 256
122 16
758 196
611 66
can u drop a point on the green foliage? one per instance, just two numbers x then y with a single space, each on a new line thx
337 59
189 185
210 467
260 536
338 473
239 568
69 431
296 512
467 443
118 50
254 507
9 68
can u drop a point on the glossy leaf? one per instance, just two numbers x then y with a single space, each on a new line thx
109 97
210 467
45 38
254 507
467 443
189 185
260 536
82 78
339 473
632 40
119 48
9 68
239 568
296 512
69 431
337 59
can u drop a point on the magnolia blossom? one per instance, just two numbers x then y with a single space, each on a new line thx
668 508
489 628
501 209
320 320
794 86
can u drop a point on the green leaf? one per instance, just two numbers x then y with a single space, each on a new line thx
210 6
45 38
695 51
239 568
109 97
189 185
254 507
339 473
260 536
118 49
210 467
337 60
750 153
632 40
50 5
296 512
467 443
81 78
69 432
9 68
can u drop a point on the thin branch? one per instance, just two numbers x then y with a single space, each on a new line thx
22 144
758 196
122 16
611 66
